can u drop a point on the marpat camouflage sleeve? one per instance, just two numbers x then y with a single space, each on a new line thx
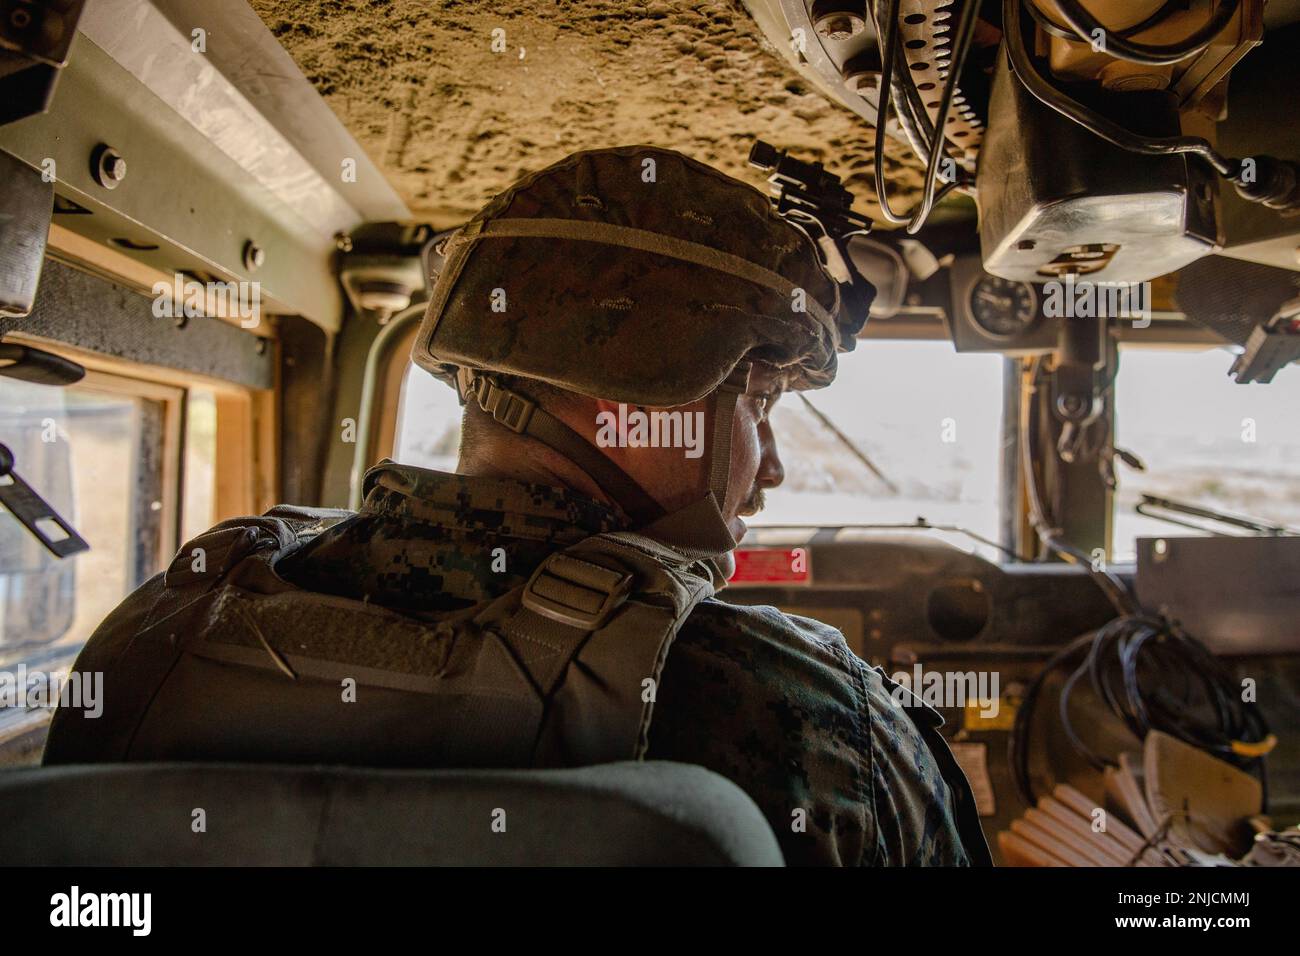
780 705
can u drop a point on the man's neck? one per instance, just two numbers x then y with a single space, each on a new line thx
533 463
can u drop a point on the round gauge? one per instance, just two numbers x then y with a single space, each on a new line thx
1003 308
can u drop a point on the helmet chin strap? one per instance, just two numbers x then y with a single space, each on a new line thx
699 530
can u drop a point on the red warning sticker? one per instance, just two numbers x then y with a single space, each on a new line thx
772 566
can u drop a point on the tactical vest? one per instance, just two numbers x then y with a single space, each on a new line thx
221 659
232 662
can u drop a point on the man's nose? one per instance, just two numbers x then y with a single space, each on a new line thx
770 470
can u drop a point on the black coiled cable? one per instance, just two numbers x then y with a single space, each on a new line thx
1049 26
1146 671
1151 676
1049 95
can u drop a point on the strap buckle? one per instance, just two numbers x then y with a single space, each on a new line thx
576 592
509 408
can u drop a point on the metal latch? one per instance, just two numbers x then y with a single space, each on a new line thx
35 513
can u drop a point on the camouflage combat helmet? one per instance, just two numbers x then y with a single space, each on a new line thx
636 275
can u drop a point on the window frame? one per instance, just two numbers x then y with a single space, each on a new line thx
21 730
172 399
381 393
247 469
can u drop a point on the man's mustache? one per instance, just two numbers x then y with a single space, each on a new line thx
753 504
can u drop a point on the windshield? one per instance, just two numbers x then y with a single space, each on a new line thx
1205 441
928 419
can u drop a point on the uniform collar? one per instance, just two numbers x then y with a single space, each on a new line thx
526 509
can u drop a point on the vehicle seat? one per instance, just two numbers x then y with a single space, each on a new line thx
620 814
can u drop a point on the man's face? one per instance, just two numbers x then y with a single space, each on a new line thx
676 479
755 462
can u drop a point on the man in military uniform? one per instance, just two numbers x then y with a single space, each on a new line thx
617 281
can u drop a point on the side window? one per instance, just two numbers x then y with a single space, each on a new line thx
1205 441
107 454
428 422
132 465
199 469
97 456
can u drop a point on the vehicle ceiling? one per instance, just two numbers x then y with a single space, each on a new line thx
451 123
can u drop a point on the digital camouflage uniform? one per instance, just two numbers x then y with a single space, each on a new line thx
776 703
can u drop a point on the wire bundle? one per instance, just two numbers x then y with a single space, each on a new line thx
926 139
1117 43
1144 670
1151 676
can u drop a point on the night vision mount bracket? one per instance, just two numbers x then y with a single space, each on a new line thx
815 201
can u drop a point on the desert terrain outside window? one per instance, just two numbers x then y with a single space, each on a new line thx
1205 441
937 448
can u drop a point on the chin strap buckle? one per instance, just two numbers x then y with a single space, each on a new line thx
508 408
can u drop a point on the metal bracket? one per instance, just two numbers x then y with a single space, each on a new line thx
34 511
34 39
1271 346
223 144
